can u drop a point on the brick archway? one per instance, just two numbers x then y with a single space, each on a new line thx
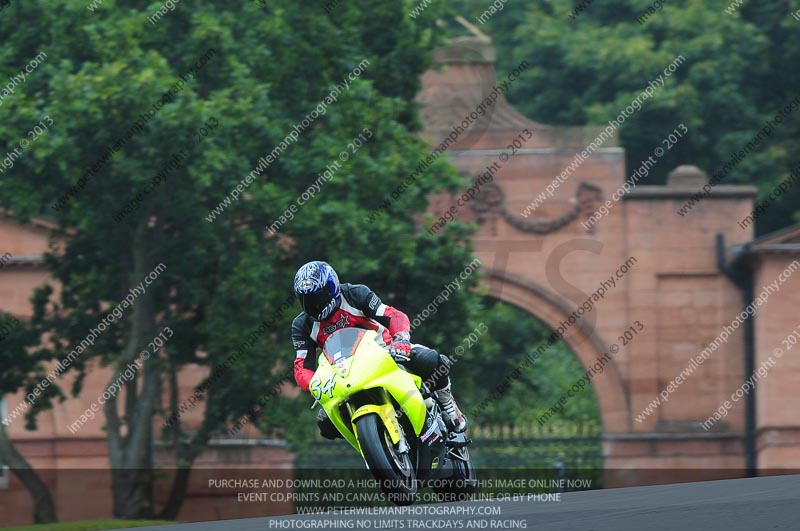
583 341
531 203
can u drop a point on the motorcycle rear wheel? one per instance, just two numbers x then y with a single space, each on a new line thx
393 470
464 481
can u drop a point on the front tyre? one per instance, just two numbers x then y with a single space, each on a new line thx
393 470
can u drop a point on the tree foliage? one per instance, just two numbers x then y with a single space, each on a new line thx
270 68
491 384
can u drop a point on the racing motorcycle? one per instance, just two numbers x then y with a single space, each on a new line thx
390 417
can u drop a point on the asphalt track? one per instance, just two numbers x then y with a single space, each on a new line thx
753 504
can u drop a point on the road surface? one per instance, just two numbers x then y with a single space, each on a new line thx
768 503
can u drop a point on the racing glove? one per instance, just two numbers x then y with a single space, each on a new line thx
400 349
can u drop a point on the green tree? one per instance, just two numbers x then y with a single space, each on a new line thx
20 370
264 71
511 335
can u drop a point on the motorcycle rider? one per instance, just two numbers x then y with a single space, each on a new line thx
329 306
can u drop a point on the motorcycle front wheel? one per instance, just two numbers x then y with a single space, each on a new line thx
392 469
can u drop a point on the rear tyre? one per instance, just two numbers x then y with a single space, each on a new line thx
393 470
464 481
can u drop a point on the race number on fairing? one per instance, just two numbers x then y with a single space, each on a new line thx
327 388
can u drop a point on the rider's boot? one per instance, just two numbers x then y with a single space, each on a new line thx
452 415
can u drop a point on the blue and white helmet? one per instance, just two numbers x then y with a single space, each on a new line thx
317 288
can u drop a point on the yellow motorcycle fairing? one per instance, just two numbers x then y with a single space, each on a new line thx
353 361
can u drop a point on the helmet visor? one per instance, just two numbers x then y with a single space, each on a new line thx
314 304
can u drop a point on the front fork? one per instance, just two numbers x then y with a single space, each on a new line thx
388 416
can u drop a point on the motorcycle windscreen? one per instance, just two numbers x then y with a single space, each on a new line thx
340 348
